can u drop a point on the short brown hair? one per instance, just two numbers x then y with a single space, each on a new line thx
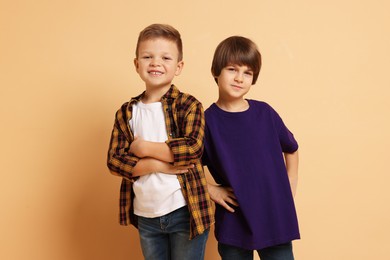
164 31
236 50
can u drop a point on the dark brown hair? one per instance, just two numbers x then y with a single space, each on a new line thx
164 31
236 50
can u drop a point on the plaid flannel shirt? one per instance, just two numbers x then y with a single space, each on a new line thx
184 121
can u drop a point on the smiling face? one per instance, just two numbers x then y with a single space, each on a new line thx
158 63
234 82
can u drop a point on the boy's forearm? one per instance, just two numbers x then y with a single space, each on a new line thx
292 162
159 151
156 150
150 165
146 166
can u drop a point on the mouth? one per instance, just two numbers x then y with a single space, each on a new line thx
155 73
236 87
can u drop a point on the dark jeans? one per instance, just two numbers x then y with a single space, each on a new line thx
167 237
279 252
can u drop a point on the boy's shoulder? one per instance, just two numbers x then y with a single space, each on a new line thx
259 103
131 101
121 114
187 96
184 99
262 106
124 107
123 111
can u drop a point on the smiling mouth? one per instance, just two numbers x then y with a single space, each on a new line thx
155 73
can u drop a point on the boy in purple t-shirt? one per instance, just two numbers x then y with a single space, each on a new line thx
253 158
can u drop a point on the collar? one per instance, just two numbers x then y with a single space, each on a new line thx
172 93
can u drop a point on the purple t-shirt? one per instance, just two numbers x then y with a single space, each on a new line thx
244 150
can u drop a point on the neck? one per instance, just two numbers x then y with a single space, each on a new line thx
154 94
233 106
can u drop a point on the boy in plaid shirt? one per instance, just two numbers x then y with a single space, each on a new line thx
156 146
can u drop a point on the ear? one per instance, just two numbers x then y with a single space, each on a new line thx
179 68
136 64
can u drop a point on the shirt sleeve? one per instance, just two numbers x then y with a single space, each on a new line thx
119 160
286 138
188 148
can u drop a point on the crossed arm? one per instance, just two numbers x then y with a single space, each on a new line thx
155 157
129 158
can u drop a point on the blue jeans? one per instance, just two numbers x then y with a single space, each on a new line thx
167 237
279 252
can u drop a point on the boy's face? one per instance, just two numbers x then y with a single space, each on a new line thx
157 62
234 81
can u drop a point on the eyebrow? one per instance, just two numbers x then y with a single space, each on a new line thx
236 64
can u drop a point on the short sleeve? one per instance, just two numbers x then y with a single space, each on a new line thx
287 140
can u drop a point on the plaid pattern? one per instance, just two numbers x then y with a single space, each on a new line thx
184 121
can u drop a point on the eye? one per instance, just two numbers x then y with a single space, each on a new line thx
167 58
230 68
145 57
249 73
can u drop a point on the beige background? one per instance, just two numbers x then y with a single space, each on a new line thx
66 66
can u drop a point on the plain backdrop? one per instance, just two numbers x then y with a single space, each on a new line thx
67 66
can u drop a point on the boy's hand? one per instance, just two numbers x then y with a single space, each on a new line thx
137 147
146 166
222 196
168 168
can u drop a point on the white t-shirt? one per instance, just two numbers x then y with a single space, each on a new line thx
156 194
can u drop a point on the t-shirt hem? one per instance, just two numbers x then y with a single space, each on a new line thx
158 214
260 245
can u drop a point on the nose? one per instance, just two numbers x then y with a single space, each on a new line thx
154 62
239 77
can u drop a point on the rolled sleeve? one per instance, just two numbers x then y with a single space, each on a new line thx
119 160
189 148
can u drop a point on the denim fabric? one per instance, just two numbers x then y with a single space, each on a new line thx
279 252
167 237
